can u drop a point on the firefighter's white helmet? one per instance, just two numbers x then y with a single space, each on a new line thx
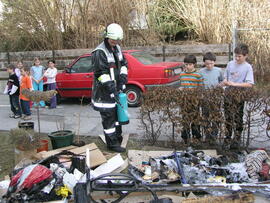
114 31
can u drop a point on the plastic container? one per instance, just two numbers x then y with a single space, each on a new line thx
78 162
44 146
122 109
61 138
26 125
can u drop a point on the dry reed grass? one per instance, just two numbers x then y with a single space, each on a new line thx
212 22
79 24
67 24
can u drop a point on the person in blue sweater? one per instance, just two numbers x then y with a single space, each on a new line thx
212 77
37 72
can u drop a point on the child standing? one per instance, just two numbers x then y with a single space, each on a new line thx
13 89
50 74
189 80
18 69
212 77
238 75
25 84
37 72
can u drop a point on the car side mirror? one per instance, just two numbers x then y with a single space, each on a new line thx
68 70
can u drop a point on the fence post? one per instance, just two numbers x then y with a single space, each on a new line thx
53 54
8 57
230 52
234 35
163 52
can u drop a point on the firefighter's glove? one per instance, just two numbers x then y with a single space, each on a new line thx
123 79
110 86
115 95
122 82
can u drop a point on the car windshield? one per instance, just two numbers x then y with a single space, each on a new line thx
145 58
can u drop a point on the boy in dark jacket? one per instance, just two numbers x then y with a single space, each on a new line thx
13 90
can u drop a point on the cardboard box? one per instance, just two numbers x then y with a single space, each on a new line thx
96 156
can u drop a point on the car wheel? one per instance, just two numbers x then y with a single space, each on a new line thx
134 96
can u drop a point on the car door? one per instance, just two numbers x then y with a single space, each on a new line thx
77 80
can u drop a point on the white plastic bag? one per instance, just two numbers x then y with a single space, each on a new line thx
13 89
6 90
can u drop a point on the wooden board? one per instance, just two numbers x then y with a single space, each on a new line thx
102 137
145 196
122 167
155 50
111 165
45 154
233 198
81 150
124 141
197 48
221 60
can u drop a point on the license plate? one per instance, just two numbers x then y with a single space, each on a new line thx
177 71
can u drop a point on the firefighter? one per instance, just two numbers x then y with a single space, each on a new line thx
110 77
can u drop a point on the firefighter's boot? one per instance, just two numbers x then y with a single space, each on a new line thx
114 145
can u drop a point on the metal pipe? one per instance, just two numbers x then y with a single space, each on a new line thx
253 29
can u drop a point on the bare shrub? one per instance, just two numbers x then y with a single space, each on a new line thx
166 111
43 24
24 139
254 102
151 115
254 118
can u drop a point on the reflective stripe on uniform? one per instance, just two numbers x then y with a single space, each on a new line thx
120 56
109 131
104 78
108 54
124 70
103 105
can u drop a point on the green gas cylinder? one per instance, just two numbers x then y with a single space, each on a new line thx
122 109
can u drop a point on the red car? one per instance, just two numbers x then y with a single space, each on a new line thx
144 71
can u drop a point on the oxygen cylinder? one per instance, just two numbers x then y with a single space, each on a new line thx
122 107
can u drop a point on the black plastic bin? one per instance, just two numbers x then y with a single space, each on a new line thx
26 125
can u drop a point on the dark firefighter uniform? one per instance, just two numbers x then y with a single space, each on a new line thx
105 90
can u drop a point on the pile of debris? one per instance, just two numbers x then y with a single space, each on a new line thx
56 175
196 167
66 174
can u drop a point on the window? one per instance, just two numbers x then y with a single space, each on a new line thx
145 58
83 65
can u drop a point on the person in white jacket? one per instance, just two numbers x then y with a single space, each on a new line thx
50 74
